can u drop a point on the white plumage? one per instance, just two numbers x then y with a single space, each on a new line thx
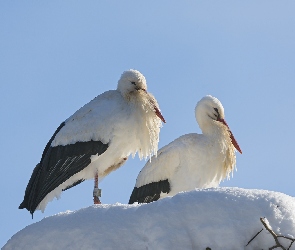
97 139
192 160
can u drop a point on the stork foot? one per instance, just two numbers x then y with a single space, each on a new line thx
96 200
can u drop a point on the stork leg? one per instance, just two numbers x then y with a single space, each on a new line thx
96 190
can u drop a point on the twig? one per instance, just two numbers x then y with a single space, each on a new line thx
275 236
254 237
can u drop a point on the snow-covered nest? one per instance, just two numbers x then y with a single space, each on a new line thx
219 218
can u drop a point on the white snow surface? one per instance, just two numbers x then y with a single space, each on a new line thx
219 218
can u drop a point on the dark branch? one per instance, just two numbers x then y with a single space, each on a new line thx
254 237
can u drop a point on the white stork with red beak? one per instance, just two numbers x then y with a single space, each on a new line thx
96 140
192 160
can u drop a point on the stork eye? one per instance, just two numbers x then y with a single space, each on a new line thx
133 83
217 115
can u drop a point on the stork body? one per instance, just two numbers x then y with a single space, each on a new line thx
96 140
192 160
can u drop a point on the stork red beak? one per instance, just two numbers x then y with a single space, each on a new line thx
233 140
158 113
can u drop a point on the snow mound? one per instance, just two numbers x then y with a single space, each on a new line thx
218 218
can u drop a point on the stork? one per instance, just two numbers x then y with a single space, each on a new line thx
192 160
96 140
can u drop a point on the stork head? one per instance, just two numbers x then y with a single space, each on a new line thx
131 80
208 111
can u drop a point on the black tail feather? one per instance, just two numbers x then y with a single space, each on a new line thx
149 192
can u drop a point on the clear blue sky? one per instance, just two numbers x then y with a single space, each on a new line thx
55 56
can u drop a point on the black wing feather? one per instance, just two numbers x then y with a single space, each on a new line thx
56 166
149 192
74 184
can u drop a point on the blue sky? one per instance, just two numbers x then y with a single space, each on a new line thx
55 56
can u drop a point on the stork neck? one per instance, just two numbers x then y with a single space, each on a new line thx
211 128
217 131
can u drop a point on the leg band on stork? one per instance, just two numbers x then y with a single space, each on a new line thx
96 191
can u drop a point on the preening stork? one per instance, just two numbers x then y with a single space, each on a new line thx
96 140
192 160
